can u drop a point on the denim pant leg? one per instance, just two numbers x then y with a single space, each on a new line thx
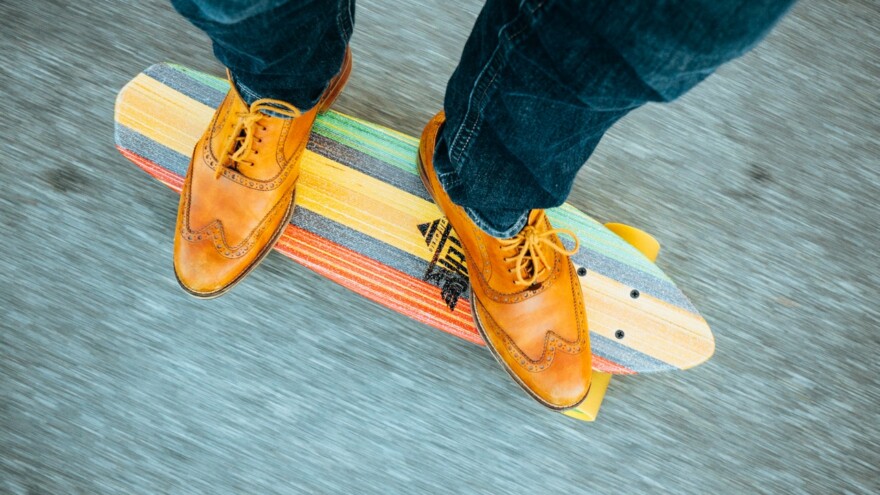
283 49
540 81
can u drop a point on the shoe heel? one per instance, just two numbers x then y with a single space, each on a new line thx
335 89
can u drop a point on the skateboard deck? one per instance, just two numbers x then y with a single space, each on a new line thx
364 220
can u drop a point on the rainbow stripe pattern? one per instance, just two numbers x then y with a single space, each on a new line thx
364 220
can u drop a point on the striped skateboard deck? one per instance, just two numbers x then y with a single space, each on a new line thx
364 220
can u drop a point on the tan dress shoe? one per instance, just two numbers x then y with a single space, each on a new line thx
525 295
239 191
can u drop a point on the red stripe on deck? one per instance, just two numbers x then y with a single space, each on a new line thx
602 364
387 286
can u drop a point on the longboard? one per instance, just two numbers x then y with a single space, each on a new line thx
364 220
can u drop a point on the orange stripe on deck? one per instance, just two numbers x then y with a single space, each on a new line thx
423 301
417 299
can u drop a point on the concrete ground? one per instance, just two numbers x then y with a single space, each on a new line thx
762 184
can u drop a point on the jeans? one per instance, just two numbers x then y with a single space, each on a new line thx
538 84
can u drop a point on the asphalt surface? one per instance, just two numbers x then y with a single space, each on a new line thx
762 185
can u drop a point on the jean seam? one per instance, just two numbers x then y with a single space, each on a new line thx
495 65
456 149
525 25
449 179
343 20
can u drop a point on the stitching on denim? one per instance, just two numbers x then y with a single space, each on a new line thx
525 22
497 61
343 19
452 177
456 150
247 94
350 18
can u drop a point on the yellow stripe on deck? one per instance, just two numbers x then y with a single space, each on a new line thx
651 326
162 114
365 204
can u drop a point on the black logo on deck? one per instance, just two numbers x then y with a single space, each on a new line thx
447 268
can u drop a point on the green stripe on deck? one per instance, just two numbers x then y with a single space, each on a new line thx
609 244
217 83
387 145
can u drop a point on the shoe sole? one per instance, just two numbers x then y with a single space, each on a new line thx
424 176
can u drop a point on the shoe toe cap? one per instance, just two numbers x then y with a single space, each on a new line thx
559 377
201 270
565 383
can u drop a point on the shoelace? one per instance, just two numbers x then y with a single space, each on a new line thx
247 122
531 257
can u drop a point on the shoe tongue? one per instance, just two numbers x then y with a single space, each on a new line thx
534 217
248 97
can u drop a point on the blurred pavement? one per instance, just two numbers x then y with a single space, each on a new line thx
762 185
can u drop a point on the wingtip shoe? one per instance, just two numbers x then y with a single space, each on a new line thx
525 295
238 195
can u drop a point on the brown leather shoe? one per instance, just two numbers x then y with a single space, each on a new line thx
239 191
525 296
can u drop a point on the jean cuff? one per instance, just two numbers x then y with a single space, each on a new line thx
502 224
247 94
250 96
